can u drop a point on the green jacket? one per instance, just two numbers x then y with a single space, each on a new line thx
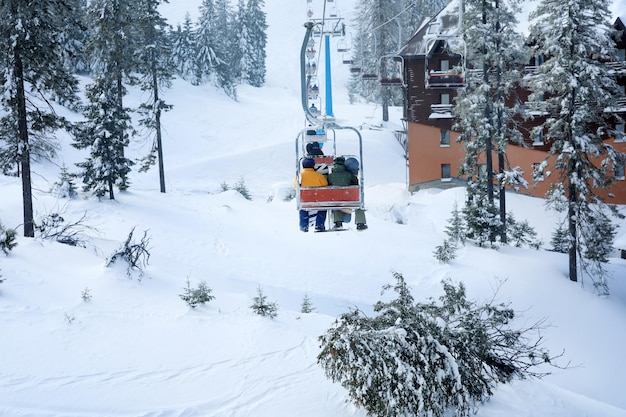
341 176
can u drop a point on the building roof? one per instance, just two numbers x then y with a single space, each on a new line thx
446 25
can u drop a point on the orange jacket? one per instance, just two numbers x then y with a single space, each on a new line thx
311 178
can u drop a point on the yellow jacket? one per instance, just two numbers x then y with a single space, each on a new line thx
311 178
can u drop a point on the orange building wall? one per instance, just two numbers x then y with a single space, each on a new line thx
426 156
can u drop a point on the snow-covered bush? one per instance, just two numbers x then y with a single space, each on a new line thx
195 296
7 239
427 359
262 307
240 187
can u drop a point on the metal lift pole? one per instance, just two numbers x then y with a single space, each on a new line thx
329 88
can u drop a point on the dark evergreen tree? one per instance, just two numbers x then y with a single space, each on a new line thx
156 71
113 44
75 38
575 39
33 72
101 132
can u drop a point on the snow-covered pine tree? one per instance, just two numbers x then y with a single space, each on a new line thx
156 71
598 235
456 229
31 59
428 359
212 40
75 37
263 307
253 68
183 50
486 108
307 305
112 47
101 133
559 239
574 39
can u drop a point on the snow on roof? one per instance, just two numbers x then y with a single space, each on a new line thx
446 23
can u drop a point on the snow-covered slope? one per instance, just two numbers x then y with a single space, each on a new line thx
136 349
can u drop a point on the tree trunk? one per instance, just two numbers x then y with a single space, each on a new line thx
573 244
24 147
157 122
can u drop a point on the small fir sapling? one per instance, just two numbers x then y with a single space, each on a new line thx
65 187
86 295
560 239
7 239
446 252
196 296
521 233
262 307
307 305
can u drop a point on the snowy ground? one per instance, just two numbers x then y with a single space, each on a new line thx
136 349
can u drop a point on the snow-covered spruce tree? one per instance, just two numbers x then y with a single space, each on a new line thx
251 41
32 71
65 186
262 307
428 359
307 305
446 251
456 229
183 49
105 134
480 214
485 110
115 36
75 37
155 71
212 41
559 239
521 233
457 233
574 38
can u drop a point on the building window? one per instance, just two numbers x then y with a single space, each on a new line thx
445 98
538 138
445 65
538 60
618 170
621 54
445 138
445 172
619 133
